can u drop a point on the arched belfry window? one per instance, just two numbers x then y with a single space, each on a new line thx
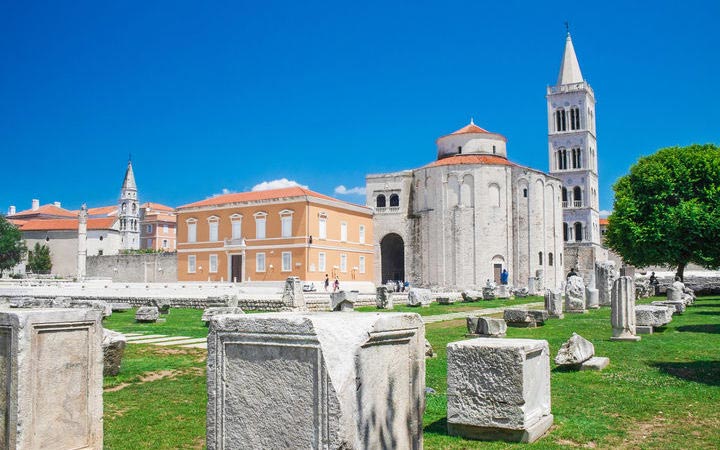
394 200
575 118
578 232
566 232
577 197
550 259
380 201
540 258
560 121
564 196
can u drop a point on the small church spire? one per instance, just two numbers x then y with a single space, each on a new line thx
569 66
129 181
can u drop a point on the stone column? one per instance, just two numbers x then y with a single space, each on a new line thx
293 296
554 303
82 243
51 367
592 296
605 275
575 295
622 315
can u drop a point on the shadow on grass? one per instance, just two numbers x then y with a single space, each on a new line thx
709 313
437 427
700 328
709 305
705 372
566 368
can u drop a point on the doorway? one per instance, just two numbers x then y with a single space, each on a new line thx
236 268
392 257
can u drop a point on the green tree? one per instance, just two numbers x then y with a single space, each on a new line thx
667 209
39 259
12 247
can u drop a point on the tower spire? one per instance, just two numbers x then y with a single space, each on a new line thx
129 181
569 66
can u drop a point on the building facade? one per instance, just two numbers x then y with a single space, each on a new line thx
271 235
158 227
572 153
459 221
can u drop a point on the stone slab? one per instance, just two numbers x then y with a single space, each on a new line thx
143 336
643 329
200 345
531 434
575 350
113 346
653 316
595 363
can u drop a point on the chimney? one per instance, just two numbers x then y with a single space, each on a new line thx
11 210
57 204
35 204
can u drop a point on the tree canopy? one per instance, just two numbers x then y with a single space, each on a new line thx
39 260
12 247
667 209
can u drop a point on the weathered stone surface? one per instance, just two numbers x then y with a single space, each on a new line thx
34 302
574 351
293 296
223 301
321 380
554 303
575 295
445 300
622 315
605 276
162 305
593 298
521 292
209 313
517 315
99 305
429 352
498 389
51 367
643 289
343 300
540 316
419 297
653 316
504 291
679 305
113 347
595 363
383 298
147 314
120 306
488 291
472 296
486 326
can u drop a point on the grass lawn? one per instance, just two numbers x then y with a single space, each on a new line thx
661 392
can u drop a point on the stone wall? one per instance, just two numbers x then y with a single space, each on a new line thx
140 268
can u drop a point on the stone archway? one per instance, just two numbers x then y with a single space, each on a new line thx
392 257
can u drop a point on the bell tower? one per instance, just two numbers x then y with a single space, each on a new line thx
129 212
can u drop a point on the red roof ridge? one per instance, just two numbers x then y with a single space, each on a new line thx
268 194
472 159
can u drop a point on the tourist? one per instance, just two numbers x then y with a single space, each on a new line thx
327 282
336 285
572 273
504 277
653 280
406 286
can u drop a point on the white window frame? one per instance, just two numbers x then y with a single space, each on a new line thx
165 229
213 228
286 219
343 262
192 263
260 262
288 267
213 263
260 218
322 262
362 264
148 228
191 230
322 226
343 231
236 226
362 234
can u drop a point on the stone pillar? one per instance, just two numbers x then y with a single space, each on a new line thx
532 284
322 380
383 298
51 367
593 298
622 315
293 296
82 243
539 281
575 295
554 303
605 275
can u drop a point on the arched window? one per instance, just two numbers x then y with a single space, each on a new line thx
577 196
394 200
550 259
575 118
540 261
380 201
578 232
564 197
124 207
560 123
566 232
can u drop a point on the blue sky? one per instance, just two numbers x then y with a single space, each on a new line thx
213 96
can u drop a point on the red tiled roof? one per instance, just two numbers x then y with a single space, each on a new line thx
49 210
470 128
603 221
66 224
490 160
240 197
157 206
102 211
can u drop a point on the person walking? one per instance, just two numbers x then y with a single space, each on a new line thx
327 282
336 285
504 277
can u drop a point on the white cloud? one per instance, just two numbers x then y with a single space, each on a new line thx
604 213
342 190
277 184
223 191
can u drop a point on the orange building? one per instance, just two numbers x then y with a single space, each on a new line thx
271 235
157 227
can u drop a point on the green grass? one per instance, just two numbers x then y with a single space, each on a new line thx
435 309
660 392
178 322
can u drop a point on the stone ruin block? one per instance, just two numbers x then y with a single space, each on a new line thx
445 300
472 296
42 303
293 296
120 306
504 291
592 296
486 326
521 292
343 300
678 305
322 380
498 389
384 298
653 316
104 307
224 301
622 314
488 292
526 318
605 276
554 303
51 367
419 297
209 313
575 351
162 305
575 295
113 346
147 314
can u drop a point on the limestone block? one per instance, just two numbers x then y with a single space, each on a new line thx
605 276
120 306
532 283
486 326
521 292
554 303
643 288
343 300
653 316
622 314
498 389
162 305
540 316
113 347
100 305
293 296
34 302
445 300
472 296
51 367
678 305
517 315
488 292
419 297
383 298
575 295
316 380
593 298
504 291
147 314
223 301
429 352
595 363
574 351
209 313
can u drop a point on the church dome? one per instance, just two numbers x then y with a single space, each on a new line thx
471 140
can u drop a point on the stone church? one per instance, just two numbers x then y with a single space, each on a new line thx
460 220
